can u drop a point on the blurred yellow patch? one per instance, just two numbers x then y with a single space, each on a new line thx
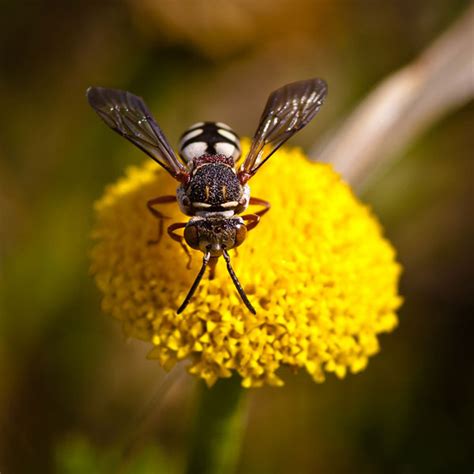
317 269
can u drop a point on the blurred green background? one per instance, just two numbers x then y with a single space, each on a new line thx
74 397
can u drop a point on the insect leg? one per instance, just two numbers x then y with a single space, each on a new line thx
237 284
254 201
190 294
156 201
180 239
253 219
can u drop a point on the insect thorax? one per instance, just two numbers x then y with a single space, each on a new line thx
213 187
211 138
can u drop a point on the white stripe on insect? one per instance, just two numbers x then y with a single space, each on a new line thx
190 135
194 149
197 124
229 135
230 204
223 125
224 214
225 149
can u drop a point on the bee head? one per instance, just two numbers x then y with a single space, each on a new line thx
215 234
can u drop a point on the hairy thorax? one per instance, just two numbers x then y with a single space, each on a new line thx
214 187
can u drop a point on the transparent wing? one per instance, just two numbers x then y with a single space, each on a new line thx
288 110
128 115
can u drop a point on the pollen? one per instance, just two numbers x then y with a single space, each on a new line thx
318 270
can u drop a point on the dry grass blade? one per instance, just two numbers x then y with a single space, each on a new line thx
404 105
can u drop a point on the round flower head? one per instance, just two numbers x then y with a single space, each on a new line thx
317 269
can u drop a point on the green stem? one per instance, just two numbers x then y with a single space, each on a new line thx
217 433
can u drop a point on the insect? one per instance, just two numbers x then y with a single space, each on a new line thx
212 188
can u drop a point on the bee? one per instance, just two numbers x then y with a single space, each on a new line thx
213 190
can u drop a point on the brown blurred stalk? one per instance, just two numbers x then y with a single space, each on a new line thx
403 106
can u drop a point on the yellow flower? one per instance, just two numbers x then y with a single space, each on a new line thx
317 269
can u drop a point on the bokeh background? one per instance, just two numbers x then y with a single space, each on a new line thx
74 396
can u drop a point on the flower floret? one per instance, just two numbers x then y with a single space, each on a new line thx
317 268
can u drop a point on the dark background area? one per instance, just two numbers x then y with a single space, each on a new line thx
74 397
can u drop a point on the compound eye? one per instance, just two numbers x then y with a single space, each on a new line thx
240 234
191 235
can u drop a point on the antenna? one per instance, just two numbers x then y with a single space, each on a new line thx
237 284
198 279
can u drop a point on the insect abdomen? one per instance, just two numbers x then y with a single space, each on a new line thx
209 138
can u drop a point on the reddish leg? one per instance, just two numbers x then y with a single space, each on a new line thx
154 202
260 202
180 239
253 220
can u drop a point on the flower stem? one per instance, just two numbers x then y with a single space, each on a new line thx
217 434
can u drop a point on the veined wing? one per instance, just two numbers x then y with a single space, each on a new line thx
128 115
288 110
